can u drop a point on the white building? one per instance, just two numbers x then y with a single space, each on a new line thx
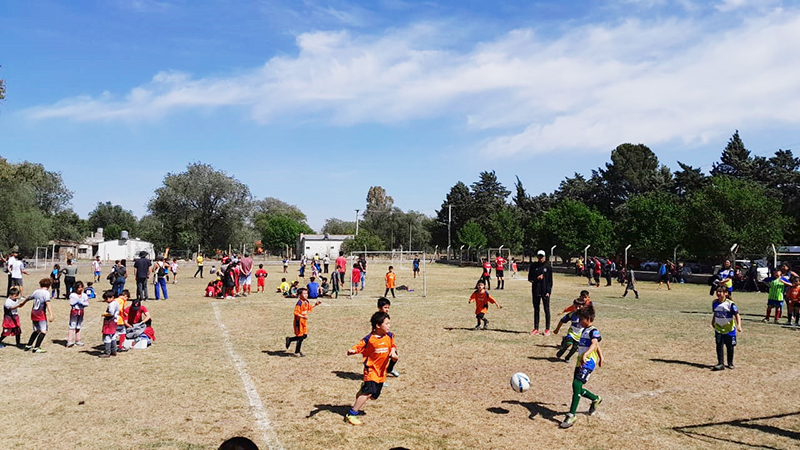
322 244
124 249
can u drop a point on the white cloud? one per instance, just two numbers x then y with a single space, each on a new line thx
590 89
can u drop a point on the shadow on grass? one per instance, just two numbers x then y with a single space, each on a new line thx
281 353
693 430
537 409
490 329
348 375
93 352
497 410
547 346
61 342
339 410
546 358
684 363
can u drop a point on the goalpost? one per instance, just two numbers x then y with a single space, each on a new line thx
401 260
505 252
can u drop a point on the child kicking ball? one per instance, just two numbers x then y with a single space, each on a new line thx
590 357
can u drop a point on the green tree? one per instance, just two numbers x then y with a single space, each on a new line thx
654 224
458 202
688 180
151 229
113 219
488 196
571 226
338 226
503 228
68 226
50 193
201 205
365 239
633 170
735 159
279 231
731 211
471 235
273 207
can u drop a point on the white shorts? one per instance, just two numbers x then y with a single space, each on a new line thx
246 280
40 326
75 322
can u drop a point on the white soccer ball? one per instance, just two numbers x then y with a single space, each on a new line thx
520 382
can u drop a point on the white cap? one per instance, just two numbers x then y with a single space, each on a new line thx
540 253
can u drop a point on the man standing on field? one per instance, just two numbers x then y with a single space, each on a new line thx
341 267
246 276
540 275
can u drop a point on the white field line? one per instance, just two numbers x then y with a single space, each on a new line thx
257 407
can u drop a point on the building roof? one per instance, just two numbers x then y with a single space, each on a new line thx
326 237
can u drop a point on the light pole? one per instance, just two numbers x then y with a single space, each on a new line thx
586 254
357 211
551 254
449 219
626 255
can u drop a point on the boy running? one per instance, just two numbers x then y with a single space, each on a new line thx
377 348
590 357
39 316
482 300
301 311
573 336
11 323
383 305
391 279
726 322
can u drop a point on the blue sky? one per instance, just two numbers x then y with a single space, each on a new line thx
314 102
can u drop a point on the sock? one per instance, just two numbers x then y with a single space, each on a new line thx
17 336
504 284
32 339
485 323
563 348
589 395
577 388
730 355
39 340
352 412
108 348
777 314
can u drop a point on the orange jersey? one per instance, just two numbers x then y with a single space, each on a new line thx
793 294
390 280
375 350
301 311
481 302
571 308
121 302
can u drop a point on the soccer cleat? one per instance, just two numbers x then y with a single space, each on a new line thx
730 366
288 341
27 347
765 320
477 327
70 344
568 421
79 344
535 332
717 368
595 404
395 373
352 420
39 350
547 332
300 355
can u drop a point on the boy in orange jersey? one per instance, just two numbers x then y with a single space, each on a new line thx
377 348
301 311
584 300
383 305
391 279
482 300
261 275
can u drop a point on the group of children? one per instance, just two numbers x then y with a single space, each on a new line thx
499 270
118 320
784 287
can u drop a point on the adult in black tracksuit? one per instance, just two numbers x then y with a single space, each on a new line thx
540 275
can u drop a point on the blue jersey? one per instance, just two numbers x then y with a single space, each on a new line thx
583 346
575 328
724 313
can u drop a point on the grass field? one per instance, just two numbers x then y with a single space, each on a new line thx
218 369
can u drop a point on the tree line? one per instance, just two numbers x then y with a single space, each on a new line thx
634 199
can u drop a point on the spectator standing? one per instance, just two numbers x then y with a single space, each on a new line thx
341 267
142 271
200 261
326 261
70 272
540 275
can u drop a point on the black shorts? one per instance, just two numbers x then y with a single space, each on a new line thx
416 269
480 316
582 374
725 339
664 278
498 273
371 388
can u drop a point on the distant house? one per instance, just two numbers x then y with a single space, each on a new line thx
124 248
322 244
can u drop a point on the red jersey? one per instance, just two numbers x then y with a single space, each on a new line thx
356 275
375 350
500 262
261 273
487 268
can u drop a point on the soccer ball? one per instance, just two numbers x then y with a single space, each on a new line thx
520 382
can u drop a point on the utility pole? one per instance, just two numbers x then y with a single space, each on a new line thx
449 219
357 211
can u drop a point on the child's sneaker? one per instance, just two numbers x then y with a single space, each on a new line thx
477 327
300 355
395 373
717 368
547 332
39 350
535 332
595 404
730 366
79 344
352 420
568 421
765 320
70 344
27 347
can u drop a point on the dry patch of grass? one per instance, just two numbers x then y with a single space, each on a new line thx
185 393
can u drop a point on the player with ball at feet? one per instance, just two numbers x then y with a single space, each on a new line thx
590 357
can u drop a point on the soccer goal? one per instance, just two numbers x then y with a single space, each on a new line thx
491 253
403 262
